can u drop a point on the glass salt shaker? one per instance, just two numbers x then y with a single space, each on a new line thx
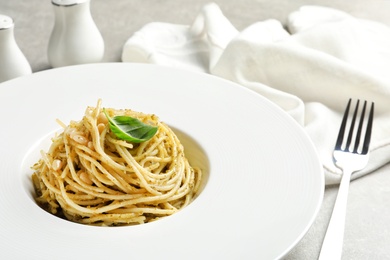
13 63
75 38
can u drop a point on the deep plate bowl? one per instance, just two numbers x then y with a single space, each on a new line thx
264 186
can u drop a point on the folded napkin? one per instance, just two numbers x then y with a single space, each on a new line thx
310 70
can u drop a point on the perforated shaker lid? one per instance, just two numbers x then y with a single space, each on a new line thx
6 22
68 2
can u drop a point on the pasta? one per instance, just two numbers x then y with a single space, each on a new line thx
91 177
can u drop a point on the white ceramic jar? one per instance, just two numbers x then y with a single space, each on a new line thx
75 38
13 63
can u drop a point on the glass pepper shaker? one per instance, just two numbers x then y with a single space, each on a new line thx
13 63
75 38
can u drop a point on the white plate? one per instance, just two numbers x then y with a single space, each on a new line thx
264 187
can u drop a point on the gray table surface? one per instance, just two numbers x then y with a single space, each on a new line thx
367 232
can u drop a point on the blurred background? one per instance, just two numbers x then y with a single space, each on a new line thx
118 20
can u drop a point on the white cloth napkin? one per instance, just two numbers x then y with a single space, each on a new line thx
310 71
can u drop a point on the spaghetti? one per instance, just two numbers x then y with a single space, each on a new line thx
89 176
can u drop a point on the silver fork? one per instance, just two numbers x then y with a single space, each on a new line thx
349 156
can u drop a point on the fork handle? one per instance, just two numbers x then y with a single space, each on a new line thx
332 245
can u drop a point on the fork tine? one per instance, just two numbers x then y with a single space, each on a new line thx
350 134
359 131
340 137
367 137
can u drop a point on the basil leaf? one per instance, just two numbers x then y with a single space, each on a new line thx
130 129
